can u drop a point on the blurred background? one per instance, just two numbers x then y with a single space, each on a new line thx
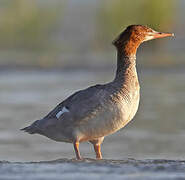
50 49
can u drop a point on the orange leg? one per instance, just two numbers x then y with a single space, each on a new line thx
77 152
97 149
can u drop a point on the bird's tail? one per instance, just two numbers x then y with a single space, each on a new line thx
32 129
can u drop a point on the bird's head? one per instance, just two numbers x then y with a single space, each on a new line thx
134 35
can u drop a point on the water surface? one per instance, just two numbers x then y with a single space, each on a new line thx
157 131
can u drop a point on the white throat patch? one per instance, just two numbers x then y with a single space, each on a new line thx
64 109
150 35
147 38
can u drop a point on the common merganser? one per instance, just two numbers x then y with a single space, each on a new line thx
100 110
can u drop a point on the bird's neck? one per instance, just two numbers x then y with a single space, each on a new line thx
126 74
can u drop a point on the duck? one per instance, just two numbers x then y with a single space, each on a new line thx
93 113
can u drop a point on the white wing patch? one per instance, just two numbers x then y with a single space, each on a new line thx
64 109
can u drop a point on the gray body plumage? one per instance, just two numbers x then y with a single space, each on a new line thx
95 112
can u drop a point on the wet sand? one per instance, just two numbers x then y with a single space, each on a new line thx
158 169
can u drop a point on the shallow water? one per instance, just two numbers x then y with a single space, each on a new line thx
156 132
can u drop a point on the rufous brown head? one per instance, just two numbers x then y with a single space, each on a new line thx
134 35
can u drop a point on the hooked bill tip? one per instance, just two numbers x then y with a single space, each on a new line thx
169 34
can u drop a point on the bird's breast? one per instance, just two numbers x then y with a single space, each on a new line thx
127 106
115 112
